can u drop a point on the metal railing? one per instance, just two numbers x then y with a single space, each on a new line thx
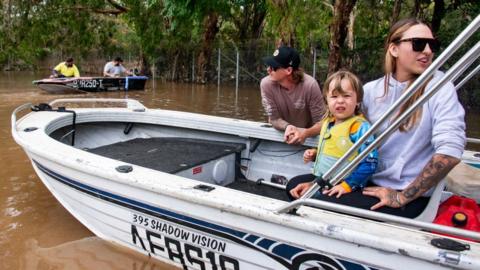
384 217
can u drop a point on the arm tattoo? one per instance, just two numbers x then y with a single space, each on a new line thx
436 169
394 198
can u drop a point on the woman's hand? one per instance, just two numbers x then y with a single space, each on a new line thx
309 155
300 189
338 189
388 197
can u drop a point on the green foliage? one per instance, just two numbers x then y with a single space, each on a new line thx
170 33
32 30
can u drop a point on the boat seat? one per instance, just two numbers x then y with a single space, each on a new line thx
170 155
464 180
430 211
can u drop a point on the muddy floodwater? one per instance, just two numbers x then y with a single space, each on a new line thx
36 232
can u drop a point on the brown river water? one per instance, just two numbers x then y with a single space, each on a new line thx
36 232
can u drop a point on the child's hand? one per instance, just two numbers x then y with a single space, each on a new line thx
300 189
309 155
338 189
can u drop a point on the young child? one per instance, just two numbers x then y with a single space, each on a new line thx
343 125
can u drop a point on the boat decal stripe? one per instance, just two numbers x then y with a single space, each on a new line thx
286 251
226 233
251 238
281 251
266 243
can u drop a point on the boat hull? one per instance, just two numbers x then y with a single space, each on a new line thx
192 237
92 84
167 217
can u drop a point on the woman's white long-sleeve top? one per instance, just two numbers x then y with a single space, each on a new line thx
441 130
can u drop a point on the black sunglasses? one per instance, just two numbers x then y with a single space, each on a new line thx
419 44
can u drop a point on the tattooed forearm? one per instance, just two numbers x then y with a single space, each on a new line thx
436 169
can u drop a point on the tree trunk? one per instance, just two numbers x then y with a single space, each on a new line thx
338 32
351 35
438 13
173 75
255 28
145 65
203 61
397 8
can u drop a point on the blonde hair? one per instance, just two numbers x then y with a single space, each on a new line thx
337 78
297 75
396 34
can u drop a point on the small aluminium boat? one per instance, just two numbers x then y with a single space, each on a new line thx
203 192
92 84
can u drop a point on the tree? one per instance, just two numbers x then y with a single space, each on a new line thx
338 30
248 17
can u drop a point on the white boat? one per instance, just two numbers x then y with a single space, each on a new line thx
204 192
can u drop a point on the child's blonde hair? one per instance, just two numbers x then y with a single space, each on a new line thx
337 78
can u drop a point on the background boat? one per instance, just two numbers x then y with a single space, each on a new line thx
92 84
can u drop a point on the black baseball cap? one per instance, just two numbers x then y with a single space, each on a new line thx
118 59
283 57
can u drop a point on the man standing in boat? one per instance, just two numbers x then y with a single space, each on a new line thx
292 99
115 68
65 69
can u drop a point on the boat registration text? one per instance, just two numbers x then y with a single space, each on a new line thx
179 245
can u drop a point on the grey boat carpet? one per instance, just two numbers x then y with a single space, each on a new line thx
169 155
176 154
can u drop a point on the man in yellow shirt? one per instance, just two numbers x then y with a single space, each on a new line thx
66 69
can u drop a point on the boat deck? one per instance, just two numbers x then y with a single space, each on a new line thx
172 155
169 155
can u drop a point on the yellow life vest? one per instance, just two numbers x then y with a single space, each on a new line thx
334 143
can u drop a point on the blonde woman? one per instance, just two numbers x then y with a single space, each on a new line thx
430 143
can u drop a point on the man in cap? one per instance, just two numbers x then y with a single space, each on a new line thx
292 99
65 69
115 68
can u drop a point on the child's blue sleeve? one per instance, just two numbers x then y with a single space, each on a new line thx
360 176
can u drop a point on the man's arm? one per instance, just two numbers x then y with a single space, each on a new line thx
279 123
126 71
56 70
317 109
436 169
312 131
106 69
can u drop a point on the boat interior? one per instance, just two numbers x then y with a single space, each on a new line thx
250 164
246 164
